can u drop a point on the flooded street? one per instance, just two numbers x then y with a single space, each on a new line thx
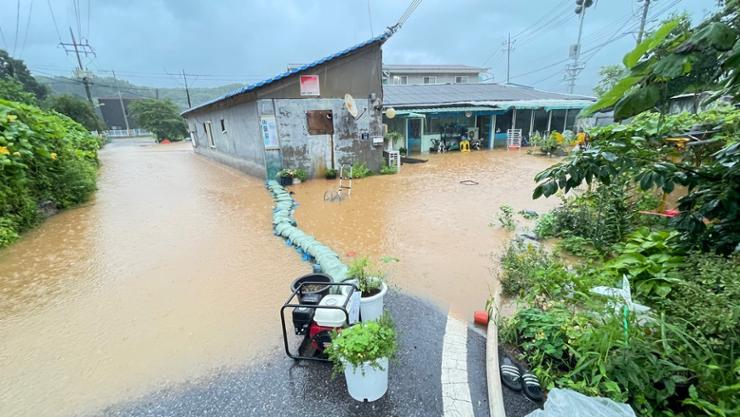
166 275
444 233
173 270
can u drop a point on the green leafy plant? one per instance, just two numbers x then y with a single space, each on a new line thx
368 276
387 170
579 246
651 260
330 174
546 226
363 343
300 173
360 170
77 109
286 173
402 151
44 157
505 217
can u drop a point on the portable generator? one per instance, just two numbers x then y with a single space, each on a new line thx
317 314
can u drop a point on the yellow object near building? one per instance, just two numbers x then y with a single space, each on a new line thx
464 146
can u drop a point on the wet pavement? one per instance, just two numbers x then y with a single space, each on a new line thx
171 279
278 386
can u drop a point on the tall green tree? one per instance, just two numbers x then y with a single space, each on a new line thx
17 70
610 76
160 117
76 109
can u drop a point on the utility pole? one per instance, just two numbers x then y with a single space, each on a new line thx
123 108
641 33
85 49
187 91
508 46
574 68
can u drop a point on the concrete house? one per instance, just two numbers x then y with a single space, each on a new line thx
431 74
300 118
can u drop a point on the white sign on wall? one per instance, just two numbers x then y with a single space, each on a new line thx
268 128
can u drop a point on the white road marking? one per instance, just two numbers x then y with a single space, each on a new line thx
455 390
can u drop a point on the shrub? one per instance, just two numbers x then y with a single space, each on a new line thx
44 157
365 342
387 170
360 170
330 174
505 217
300 173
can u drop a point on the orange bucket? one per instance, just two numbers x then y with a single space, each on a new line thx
481 317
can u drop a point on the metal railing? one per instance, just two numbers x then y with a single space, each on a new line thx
124 133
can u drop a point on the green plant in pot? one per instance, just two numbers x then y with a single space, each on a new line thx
362 353
371 283
285 176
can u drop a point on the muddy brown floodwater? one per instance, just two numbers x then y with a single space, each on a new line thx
169 273
173 271
444 233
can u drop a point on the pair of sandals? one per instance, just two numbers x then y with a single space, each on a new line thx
518 379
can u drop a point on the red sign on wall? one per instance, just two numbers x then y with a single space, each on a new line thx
310 85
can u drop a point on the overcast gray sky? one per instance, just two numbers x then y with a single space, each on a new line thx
247 40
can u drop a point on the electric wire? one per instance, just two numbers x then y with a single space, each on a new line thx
17 25
54 19
28 24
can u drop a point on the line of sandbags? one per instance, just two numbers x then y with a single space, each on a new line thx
284 225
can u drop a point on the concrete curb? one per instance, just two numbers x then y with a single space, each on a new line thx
493 379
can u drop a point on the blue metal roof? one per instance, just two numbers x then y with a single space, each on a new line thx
251 87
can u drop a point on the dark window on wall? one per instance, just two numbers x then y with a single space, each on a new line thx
523 119
223 126
461 79
503 122
570 119
558 120
430 80
540 121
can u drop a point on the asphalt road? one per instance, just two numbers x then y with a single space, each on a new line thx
279 386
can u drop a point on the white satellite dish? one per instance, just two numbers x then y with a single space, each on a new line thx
349 104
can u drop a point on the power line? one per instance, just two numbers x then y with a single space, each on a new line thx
17 25
28 24
548 13
54 19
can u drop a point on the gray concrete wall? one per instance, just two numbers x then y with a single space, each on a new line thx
240 146
313 152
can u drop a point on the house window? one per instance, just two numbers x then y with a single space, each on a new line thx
209 134
430 80
460 79
223 126
400 79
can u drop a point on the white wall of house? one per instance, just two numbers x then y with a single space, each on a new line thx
446 78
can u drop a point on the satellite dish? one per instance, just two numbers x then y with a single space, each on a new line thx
349 104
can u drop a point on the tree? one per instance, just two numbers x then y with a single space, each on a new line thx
16 69
610 76
76 109
677 59
12 90
160 117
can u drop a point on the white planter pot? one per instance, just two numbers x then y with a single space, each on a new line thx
371 308
366 383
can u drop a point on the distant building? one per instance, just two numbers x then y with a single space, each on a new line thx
431 74
110 109
484 111
299 119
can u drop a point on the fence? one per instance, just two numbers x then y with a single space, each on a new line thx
123 133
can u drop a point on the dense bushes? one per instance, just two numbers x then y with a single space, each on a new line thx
681 359
43 158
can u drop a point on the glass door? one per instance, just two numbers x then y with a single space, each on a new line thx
413 135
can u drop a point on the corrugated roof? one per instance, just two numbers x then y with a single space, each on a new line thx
441 94
251 87
433 68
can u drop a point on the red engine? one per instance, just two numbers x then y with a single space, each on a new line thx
320 336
